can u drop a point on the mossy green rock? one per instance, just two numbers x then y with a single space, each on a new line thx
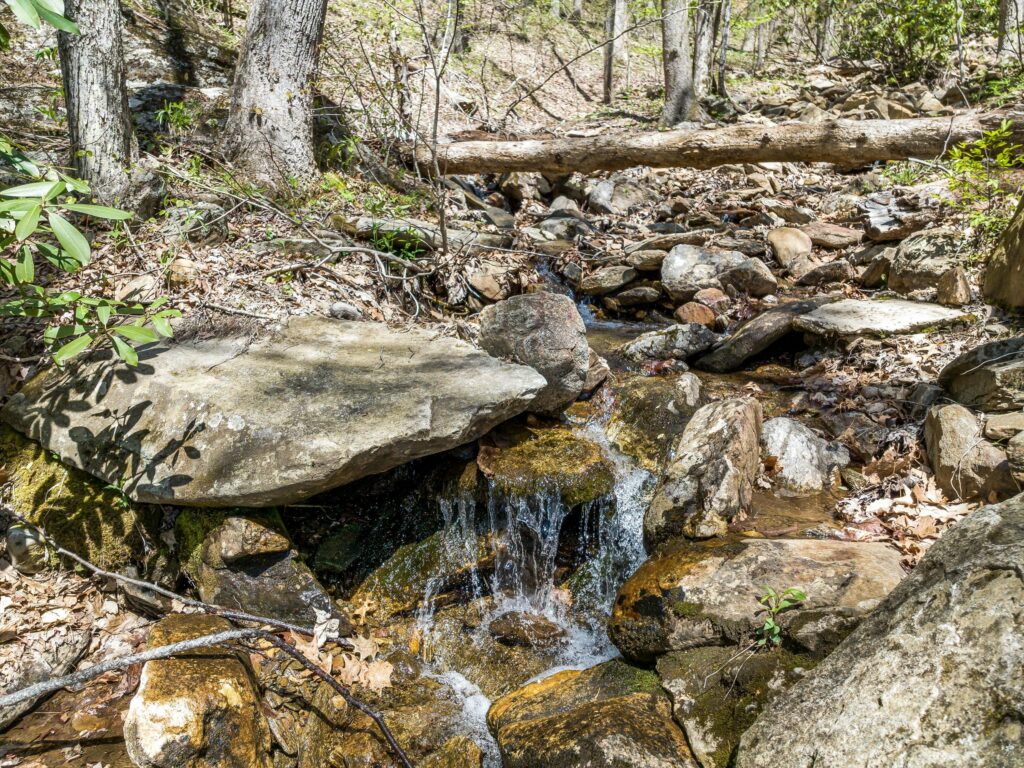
717 694
78 511
649 412
609 716
550 460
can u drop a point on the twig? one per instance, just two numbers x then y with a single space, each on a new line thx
242 312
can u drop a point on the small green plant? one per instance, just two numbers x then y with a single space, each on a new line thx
34 13
175 116
978 178
770 633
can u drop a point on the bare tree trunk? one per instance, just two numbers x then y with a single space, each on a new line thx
99 123
724 52
577 11
269 132
1011 19
677 61
556 8
824 31
845 142
703 46
615 52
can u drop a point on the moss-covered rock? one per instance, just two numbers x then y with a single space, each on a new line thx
717 694
548 460
647 415
78 511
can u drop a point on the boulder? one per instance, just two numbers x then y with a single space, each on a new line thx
319 404
752 277
863 317
790 245
677 342
710 480
923 259
1004 271
755 336
609 716
831 236
989 377
606 280
930 678
717 694
691 595
966 465
805 463
546 332
196 709
690 268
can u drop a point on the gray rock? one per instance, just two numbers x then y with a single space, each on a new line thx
922 397
989 377
793 214
677 342
1015 457
862 317
755 336
1004 271
692 595
752 277
546 332
222 422
565 225
638 296
597 372
710 480
342 310
201 222
669 241
617 196
954 290
805 462
606 280
646 260
876 272
1004 426
966 465
790 245
931 678
923 258
838 271
689 268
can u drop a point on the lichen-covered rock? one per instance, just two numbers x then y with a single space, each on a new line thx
544 331
752 277
805 463
649 412
609 716
966 465
711 477
717 694
696 594
989 377
457 752
78 511
923 259
197 710
677 342
931 678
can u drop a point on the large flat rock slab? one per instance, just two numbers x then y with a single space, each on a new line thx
223 422
863 317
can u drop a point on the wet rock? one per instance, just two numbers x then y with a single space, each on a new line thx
544 331
677 342
201 222
710 480
755 336
527 629
1004 426
930 678
831 236
322 403
247 563
966 465
608 716
862 317
923 259
790 245
716 695
649 413
646 260
752 277
199 708
457 752
838 271
953 289
617 196
989 377
597 372
689 268
805 463
691 595
693 312
1004 271
607 280
641 295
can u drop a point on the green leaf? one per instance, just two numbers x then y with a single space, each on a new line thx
99 211
62 23
71 239
137 333
26 268
71 349
25 12
5 37
17 205
58 258
28 223
125 351
103 313
162 326
35 189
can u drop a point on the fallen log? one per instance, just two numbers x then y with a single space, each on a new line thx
844 142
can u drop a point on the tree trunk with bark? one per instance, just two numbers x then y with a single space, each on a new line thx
723 53
844 142
1011 36
269 133
677 61
703 47
615 52
96 95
